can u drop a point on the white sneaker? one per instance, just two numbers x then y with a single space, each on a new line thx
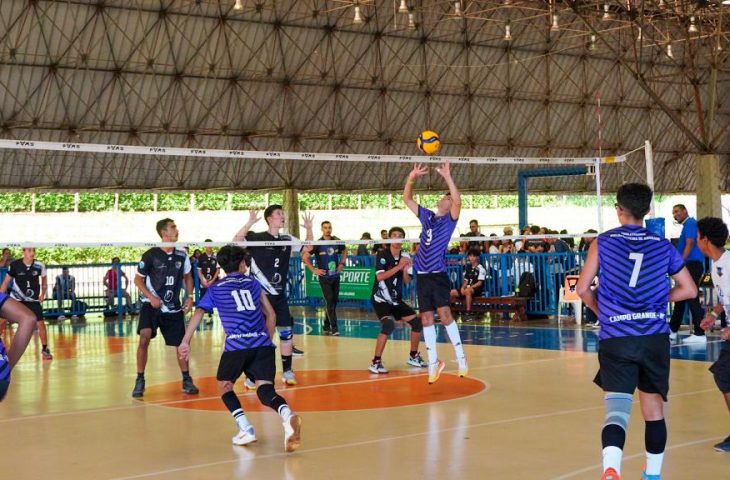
673 336
377 368
244 438
695 340
416 361
249 384
463 367
292 433
61 318
288 378
74 317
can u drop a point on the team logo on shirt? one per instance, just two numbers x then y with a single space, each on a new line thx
141 265
178 264
719 271
382 261
34 273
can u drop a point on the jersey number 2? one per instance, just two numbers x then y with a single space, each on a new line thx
243 299
638 258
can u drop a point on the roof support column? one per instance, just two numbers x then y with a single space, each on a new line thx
708 186
291 211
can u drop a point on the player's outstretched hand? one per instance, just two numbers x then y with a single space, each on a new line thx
307 220
188 304
725 333
707 323
405 263
444 170
183 351
419 170
253 217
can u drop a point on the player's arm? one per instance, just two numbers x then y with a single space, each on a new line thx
445 171
44 286
307 259
189 288
201 278
18 313
688 248
6 281
308 223
215 274
587 274
269 313
252 219
139 282
419 170
183 350
343 259
684 287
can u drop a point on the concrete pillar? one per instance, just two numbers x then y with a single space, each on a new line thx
291 211
708 186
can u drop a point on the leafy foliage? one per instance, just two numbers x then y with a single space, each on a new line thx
96 202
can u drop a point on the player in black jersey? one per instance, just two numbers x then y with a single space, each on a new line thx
270 265
160 278
473 286
391 273
208 271
29 288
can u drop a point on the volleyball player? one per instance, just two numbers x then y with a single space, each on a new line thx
29 288
391 273
432 282
160 277
712 236
208 271
26 319
242 304
271 267
633 265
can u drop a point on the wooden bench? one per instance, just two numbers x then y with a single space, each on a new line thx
496 306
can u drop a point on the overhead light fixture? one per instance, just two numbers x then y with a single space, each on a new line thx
457 9
238 5
606 13
555 26
403 7
662 4
692 26
592 46
726 2
507 2
507 33
411 21
358 18
669 51
639 36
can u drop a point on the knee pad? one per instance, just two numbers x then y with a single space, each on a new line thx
416 324
618 409
387 325
266 393
285 334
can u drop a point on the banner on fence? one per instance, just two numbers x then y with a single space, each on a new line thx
356 283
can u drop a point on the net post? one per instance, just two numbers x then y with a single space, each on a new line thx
649 157
598 194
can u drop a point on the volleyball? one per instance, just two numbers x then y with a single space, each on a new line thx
428 142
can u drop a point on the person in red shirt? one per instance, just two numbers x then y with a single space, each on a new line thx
112 285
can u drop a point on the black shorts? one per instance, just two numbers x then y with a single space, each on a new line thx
36 308
172 325
434 291
257 363
630 362
281 307
398 311
721 369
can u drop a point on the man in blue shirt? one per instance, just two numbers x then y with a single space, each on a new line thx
694 261
242 305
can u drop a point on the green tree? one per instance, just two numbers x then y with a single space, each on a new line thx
96 202
16 202
54 202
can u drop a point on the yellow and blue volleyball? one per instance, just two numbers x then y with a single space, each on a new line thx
428 142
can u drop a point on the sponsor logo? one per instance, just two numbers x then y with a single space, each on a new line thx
157 150
25 144
196 151
71 146
115 148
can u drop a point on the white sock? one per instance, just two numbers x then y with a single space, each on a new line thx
612 458
241 420
429 338
453 330
654 463
285 412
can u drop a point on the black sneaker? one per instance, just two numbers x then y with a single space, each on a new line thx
326 331
296 352
138 387
189 387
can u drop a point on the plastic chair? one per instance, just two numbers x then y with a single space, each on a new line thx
568 294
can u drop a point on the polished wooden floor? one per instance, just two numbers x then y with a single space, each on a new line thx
524 413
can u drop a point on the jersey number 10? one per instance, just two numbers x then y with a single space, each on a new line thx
244 300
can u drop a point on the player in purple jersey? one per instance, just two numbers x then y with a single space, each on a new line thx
432 282
633 266
14 311
242 305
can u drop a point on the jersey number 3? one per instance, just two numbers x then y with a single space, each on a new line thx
244 300
638 258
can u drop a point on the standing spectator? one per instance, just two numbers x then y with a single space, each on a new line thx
362 249
208 271
270 266
570 240
474 232
195 256
160 277
330 260
111 282
381 246
65 289
585 242
29 287
694 261
6 259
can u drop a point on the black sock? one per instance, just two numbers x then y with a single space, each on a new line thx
413 353
186 375
286 362
140 375
231 401
376 359
45 347
613 436
655 436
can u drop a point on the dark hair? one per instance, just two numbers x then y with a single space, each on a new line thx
115 260
473 221
635 198
326 221
397 229
383 230
534 229
713 229
473 252
366 236
207 240
231 256
162 225
270 211
680 206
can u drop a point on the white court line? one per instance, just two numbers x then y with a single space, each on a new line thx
413 435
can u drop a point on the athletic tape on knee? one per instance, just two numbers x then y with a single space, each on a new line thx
618 409
266 393
416 324
387 325
285 334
